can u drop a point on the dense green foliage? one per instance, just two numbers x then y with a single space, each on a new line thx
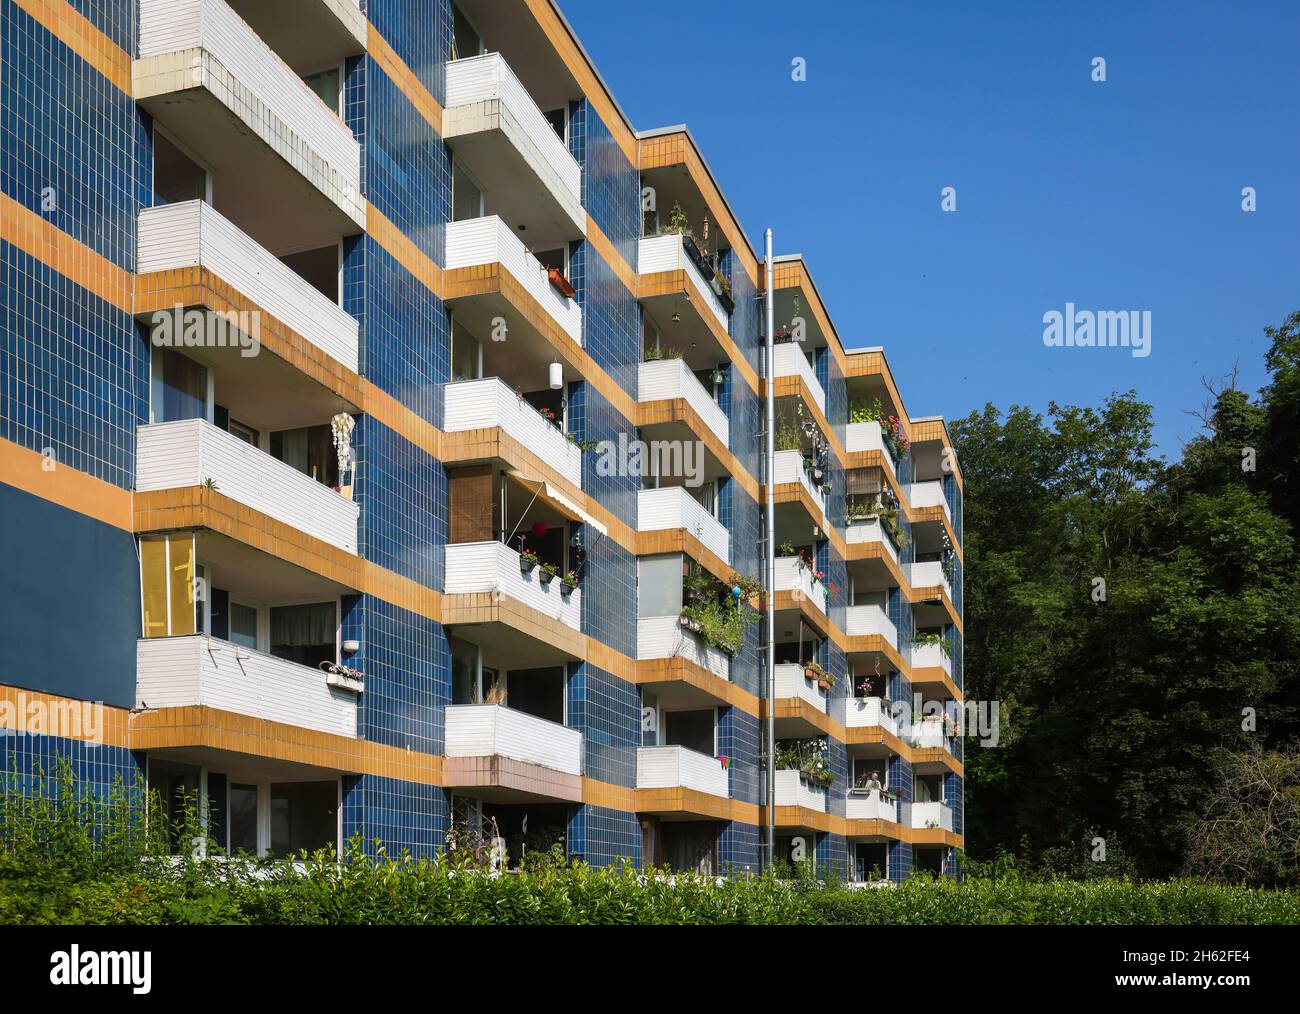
1118 700
70 857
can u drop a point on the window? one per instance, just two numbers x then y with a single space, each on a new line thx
465 41
466 354
691 729
464 672
659 585
328 85
169 604
243 625
311 450
245 433
176 176
304 817
558 119
243 819
177 788
466 197
305 634
180 387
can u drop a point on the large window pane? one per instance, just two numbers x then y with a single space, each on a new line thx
243 819
181 390
304 634
304 816
659 585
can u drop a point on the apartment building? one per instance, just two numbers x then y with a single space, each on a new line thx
382 445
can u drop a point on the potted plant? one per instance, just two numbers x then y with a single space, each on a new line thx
549 572
568 583
813 670
561 284
528 561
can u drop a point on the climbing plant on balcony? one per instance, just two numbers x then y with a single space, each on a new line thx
719 613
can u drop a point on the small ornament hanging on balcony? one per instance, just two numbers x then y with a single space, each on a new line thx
342 426
539 529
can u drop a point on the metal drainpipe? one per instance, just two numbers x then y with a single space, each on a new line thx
770 562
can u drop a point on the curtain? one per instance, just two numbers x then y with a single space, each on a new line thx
303 626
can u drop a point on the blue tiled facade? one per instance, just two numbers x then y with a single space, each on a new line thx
76 154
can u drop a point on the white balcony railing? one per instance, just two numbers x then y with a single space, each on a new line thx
931 656
929 574
488 77
870 530
790 683
865 621
932 815
787 467
494 567
928 494
666 253
866 436
793 790
672 507
670 767
478 241
483 404
190 452
928 733
178 672
486 730
868 713
870 806
182 26
665 637
665 379
788 360
792 577
193 235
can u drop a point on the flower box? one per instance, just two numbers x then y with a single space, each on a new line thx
561 284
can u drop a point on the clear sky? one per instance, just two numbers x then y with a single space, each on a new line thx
1122 195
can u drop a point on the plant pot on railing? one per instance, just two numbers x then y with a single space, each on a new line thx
561 284
568 584
549 573
527 563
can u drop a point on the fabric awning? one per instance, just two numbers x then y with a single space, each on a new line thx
544 490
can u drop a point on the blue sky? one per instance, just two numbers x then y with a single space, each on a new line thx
1123 195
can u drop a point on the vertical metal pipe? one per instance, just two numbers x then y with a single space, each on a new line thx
769 576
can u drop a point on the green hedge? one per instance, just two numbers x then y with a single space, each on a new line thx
70 856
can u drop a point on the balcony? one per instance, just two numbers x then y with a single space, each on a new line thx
865 437
488 730
928 734
868 713
867 530
869 621
872 805
931 656
502 137
929 574
665 637
281 153
790 684
788 360
194 235
667 379
794 790
477 242
928 494
932 815
670 253
173 455
489 403
671 507
792 576
477 567
672 767
788 467
178 672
